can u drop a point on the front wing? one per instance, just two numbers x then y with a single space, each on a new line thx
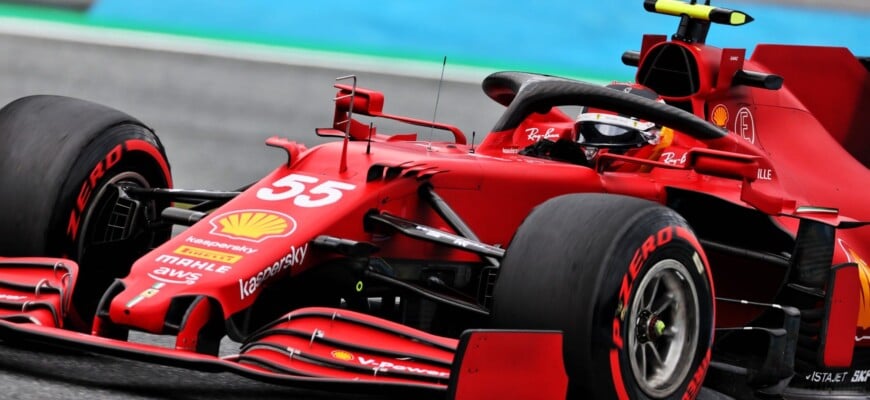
312 348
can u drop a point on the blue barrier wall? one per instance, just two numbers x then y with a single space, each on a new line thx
580 38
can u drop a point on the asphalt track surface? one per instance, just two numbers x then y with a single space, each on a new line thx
213 115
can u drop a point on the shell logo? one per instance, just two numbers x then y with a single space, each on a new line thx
719 116
253 225
342 355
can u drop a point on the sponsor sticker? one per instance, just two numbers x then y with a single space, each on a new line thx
392 366
342 355
671 158
211 255
534 134
853 376
744 125
250 285
192 264
860 376
827 377
719 116
252 225
174 276
11 297
219 245
146 294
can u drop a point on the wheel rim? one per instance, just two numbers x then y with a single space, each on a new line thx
663 328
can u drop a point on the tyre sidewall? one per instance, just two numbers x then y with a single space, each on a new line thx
119 149
565 270
48 147
655 235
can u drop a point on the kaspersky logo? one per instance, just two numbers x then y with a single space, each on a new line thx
252 225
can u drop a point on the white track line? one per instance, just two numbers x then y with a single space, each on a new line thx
346 63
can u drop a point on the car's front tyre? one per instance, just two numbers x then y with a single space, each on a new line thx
61 162
626 281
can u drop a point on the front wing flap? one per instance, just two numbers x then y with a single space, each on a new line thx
36 290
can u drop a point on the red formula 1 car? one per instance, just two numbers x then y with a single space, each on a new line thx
649 247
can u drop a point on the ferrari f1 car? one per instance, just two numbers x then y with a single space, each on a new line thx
688 244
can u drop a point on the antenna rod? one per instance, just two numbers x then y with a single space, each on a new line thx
342 166
369 144
437 99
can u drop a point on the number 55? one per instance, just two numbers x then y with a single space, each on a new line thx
323 194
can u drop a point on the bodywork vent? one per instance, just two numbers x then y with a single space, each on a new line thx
415 170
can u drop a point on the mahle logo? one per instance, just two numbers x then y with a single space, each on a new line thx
252 225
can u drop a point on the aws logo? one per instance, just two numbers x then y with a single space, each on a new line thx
171 275
252 225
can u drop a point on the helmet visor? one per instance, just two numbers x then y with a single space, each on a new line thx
600 129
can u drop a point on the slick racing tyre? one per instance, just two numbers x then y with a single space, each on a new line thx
626 281
61 162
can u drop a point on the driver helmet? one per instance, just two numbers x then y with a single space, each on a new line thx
602 128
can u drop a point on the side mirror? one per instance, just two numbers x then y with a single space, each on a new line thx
365 101
723 164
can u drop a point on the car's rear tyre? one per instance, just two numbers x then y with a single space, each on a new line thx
626 281
60 161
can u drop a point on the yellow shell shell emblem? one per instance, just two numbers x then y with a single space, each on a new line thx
253 225
342 355
719 116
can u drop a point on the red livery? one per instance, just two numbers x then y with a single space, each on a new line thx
700 232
